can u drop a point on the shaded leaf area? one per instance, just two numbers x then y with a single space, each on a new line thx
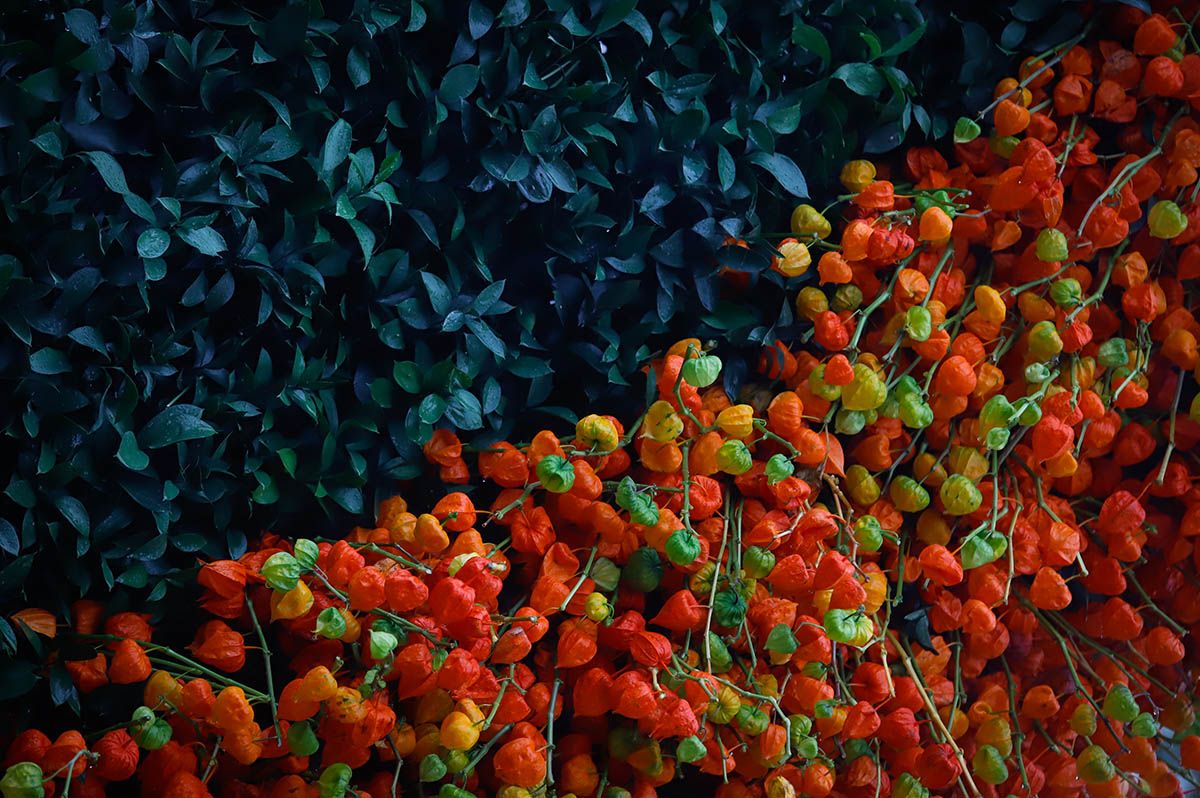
255 253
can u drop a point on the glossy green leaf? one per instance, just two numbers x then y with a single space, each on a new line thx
860 78
153 243
458 84
336 147
49 361
174 425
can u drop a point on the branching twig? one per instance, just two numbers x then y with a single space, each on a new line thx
931 709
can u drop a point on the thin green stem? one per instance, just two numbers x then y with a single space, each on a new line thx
1070 660
179 660
515 503
70 768
686 510
1126 667
884 295
487 722
1059 50
212 761
550 735
712 596
582 576
488 746
1098 294
771 700
266 652
1162 470
382 613
1128 171
937 272
1018 736
761 425
375 548
1133 580
931 710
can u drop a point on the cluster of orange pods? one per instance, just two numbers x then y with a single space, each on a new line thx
945 545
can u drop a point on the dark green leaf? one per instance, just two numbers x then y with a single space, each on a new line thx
785 120
615 12
348 498
1032 10
417 17
16 679
783 169
906 42
89 337
278 144
439 293
812 40
1013 35
507 166
8 638
134 576
82 25
726 170
358 68
174 425
129 455
110 171
431 409
43 85
49 361
336 148
636 20
657 197
49 143
366 238
408 376
9 542
458 84
13 575
860 78
487 337
514 13
729 316
884 138
206 240
426 224
530 367
152 243
479 19
464 411
73 510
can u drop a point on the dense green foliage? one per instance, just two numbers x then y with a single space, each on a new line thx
254 252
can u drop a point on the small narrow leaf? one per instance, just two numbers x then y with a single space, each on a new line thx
129 455
336 148
110 171
206 240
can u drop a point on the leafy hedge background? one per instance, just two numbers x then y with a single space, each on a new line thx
255 252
